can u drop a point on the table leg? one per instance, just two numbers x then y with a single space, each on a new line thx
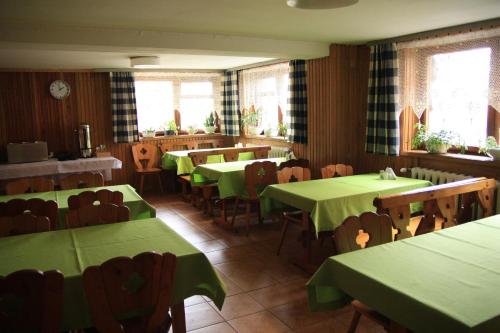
306 225
178 318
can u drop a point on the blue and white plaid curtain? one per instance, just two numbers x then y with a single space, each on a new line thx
123 108
297 101
230 120
382 130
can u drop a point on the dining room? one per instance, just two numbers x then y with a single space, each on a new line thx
260 166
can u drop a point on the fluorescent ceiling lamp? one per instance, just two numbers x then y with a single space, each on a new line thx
145 62
320 4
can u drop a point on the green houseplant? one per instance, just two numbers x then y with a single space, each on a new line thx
439 142
418 140
491 148
251 120
210 123
282 130
148 132
171 128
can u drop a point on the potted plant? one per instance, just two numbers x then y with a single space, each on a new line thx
171 128
191 130
251 120
438 143
210 123
149 132
418 140
282 130
491 148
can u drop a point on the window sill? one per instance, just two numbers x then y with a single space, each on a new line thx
263 137
474 159
182 136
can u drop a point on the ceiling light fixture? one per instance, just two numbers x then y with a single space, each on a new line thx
320 4
145 62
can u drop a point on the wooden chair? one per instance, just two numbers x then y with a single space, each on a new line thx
82 180
23 224
32 301
145 155
96 214
299 162
369 229
336 170
29 185
165 147
34 206
142 285
88 198
257 176
288 175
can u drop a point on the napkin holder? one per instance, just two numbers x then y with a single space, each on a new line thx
388 174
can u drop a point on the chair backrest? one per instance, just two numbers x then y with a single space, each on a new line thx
125 285
258 175
82 180
32 301
96 214
205 145
23 224
144 155
29 185
165 147
204 157
336 170
299 162
87 198
247 155
293 174
34 206
177 147
369 229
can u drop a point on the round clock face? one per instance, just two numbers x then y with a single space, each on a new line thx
59 89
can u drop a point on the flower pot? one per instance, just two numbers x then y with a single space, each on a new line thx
495 153
170 132
441 148
210 129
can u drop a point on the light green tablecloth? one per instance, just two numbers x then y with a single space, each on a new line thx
331 201
180 160
445 281
230 176
71 251
139 209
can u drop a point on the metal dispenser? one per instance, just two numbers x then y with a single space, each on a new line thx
84 140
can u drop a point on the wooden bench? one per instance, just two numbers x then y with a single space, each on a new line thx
444 206
230 154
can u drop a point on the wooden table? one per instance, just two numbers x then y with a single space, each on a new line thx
72 250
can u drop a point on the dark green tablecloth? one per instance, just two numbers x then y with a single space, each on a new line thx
445 281
71 251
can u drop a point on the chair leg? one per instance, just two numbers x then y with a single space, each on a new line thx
235 211
354 322
141 183
247 213
158 175
283 233
259 213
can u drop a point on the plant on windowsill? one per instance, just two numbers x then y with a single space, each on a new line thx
491 148
438 143
251 119
171 128
282 130
210 123
418 140
149 132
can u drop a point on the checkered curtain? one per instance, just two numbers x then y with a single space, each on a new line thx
123 108
297 101
382 130
230 120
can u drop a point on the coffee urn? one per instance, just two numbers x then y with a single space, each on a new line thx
84 140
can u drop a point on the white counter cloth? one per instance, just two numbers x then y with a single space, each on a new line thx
55 167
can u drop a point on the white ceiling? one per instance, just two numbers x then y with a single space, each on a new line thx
231 28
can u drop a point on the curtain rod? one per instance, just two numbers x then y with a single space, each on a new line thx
259 64
474 26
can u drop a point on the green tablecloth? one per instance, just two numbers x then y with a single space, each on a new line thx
331 201
139 209
445 281
180 160
71 251
230 176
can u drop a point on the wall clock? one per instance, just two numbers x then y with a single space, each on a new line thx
60 89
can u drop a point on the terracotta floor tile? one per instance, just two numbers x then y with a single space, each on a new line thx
248 282
217 328
201 315
258 322
238 306
325 326
231 287
297 315
193 300
280 294
209 246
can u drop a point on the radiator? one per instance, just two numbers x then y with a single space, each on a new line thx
275 151
438 177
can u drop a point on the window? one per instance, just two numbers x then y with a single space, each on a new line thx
158 95
452 87
265 89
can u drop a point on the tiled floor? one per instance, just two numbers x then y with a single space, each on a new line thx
265 293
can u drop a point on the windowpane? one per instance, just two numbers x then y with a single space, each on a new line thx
195 110
196 88
155 103
458 92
